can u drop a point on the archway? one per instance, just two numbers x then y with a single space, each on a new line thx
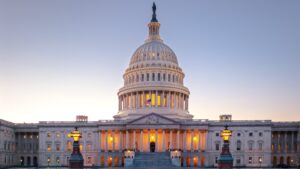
188 161
109 161
116 161
22 160
281 161
274 161
288 161
28 161
195 161
35 161
102 161
202 161
152 146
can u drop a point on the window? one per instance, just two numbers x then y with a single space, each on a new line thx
24 136
238 161
217 134
216 159
260 146
89 135
137 78
89 147
89 160
48 160
164 77
48 147
173 78
260 160
250 160
148 77
57 135
260 134
69 146
238 134
57 160
238 145
153 76
250 146
57 147
158 77
48 135
251 134
169 77
217 146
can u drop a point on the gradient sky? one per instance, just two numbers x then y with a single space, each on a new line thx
59 58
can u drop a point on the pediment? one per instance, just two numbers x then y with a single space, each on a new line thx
153 118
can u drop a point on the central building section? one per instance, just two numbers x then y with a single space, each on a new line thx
153 82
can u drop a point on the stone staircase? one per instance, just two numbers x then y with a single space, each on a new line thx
152 159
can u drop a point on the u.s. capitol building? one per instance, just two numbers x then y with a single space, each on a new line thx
153 118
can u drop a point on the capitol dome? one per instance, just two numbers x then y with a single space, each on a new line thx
153 82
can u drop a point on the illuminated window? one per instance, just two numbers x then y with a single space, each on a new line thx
250 160
80 147
165 101
24 136
89 147
48 147
31 136
147 98
69 146
272 147
158 100
48 160
89 160
57 135
48 135
57 147
153 99
57 160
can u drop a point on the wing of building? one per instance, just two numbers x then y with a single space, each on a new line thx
153 117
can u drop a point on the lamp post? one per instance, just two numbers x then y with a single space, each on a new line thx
76 159
225 160
260 161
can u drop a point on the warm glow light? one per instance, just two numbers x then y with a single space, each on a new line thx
226 134
75 134
110 138
152 138
194 138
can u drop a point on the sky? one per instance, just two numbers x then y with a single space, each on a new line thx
59 59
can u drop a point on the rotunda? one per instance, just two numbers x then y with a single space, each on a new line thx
153 82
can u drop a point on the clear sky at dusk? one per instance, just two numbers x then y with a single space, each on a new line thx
59 59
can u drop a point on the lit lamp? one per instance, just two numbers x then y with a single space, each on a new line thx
225 160
76 159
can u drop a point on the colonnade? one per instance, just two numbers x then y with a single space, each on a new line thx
143 99
164 139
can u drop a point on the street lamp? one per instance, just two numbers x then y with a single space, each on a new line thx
260 161
76 159
225 160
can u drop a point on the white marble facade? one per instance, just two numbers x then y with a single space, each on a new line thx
153 107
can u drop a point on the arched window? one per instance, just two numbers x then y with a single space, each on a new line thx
137 78
173 78
148 77
142 78
169 77
164 77
158 77
153 76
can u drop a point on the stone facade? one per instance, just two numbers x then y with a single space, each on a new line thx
153 116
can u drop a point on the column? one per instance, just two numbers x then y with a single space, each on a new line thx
148 142
134 145
137 100
171 139
285 141
163 141
150 94
141 140
178 139
156 98
192 140
127 140
168 99
184 140
106 145
113 140
162 99
199 140
120 141
156 143
278 142
144 96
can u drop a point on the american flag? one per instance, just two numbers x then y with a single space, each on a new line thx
147 102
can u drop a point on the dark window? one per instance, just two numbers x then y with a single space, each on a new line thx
250 134
217 134
238 134
142 77
164 77
137 78
158 77
153 76
169 77
217 146
260 134
148 77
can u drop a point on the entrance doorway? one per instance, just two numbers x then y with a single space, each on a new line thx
152 146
